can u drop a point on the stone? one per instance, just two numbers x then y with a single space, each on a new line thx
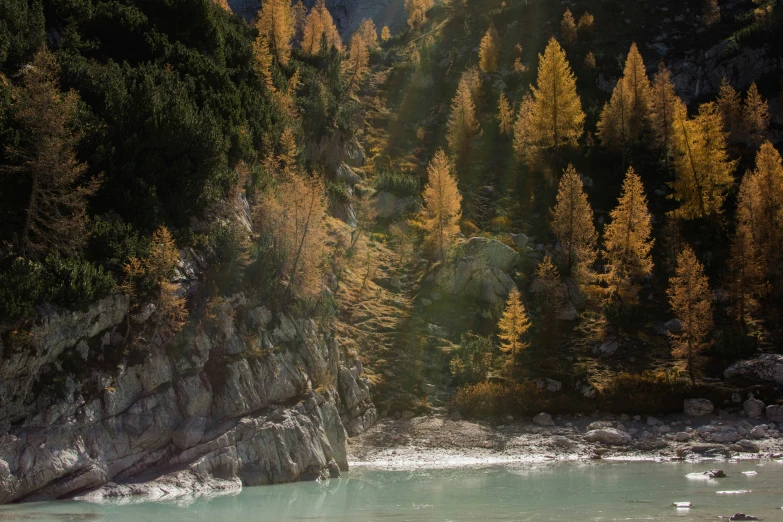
673 326
758 432
520 240
753 408
543 419
473 278
745 446
742 516
608 347
682 436
597 425
766 367
775 413
549 384
407 415
697 407
652 421
608 436
491 252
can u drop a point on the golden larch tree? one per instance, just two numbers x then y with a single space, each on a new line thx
665 109
442 204
416 11
462 125
277 22
627 241
556 117
368 33
505 115
614 126
513 325
549 292
586 22
56 208
568 28
745 274
760 210
356 66
262 56
729 105
523 131
489 50
702 165
755 118
691 300
572 224
385 33
319 27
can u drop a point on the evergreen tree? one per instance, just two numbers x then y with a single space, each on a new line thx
513 325
691 300
549 292
730 107
568 28
276 21
614 126
442 202
357 64
760 211
703 168
755 118
489 51
385 33
263 59
556 116
505 115
745 275
416 11
627 241
666 108
572 224
368 33
585 25
463 125
319 26
56 209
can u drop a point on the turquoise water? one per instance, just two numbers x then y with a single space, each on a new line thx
555 492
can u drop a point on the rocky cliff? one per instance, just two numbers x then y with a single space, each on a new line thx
251 398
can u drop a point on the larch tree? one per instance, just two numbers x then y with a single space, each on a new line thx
513 325
291 220
277 22
755 118
589 62
385 33
666 108
523 132
318 27
572 224
627 241
586 22
614 126
745 274
262 56
556 116
489 51
760 211
549 292
505 115
729 105
691 300
442 204
416 11
356 66
56 208
702 165
568 28
462 125
368 33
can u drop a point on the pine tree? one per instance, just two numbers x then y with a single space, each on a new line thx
319 26
665 109
286 160
622 119
586 24
416 11
489 50
513 325
442 202
472 78
276 21
523 131
357 64
56 208
691 300
627 241
703 168
385 33
463 125
745 275
263 60
568 28
760 211
549 292
572 224
505 115
556 117
368 33
755 118
729 105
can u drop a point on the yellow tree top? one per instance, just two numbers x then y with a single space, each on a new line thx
665 108
489 50
442 202
318 26
368 33
277 22
513 324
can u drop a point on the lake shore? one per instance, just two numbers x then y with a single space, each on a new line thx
444 442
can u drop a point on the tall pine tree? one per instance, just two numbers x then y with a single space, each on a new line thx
442 205
572 224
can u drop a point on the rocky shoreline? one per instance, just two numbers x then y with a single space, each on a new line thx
443 442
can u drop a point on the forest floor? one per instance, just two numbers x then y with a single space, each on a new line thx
439 442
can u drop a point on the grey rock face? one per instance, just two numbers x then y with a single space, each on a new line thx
233 404
766 367
697 407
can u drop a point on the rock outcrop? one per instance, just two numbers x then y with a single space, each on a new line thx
766 367
250 397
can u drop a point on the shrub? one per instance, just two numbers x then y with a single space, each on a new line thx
648 392
493 399
397 183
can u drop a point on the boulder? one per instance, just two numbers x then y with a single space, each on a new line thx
471 277
549 384
775 413
491 252
759 432
608 436
387 205
673 326
543 419
608 347
744 446
697 407
520 240
754 408
766 367
682 436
